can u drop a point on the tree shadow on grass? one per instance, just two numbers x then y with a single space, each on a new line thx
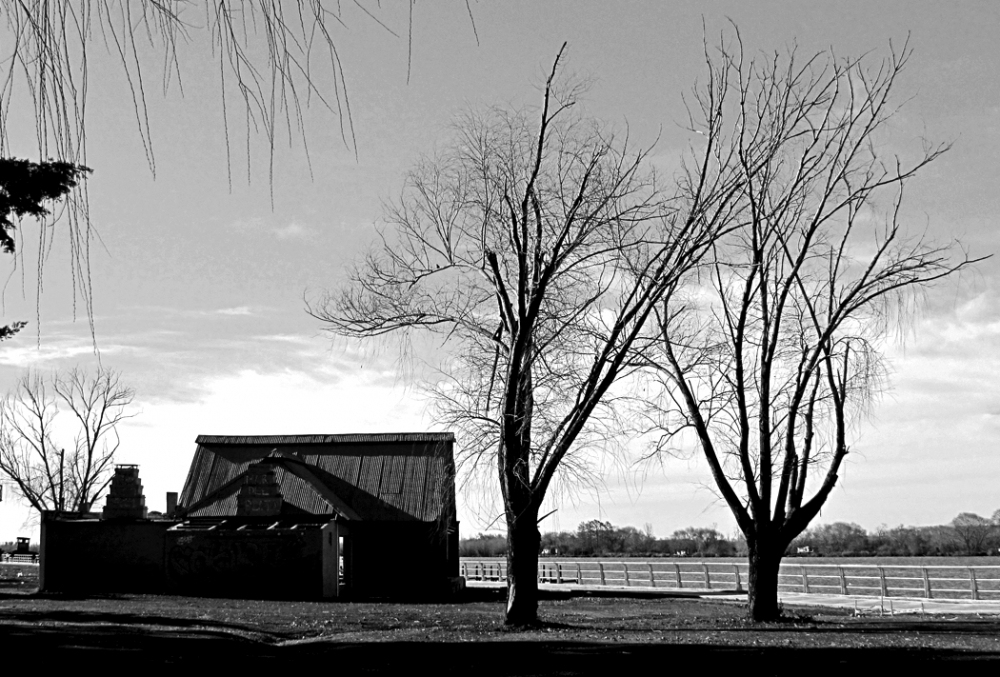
834 621
118 646
600 658
887 626
98 622
483 659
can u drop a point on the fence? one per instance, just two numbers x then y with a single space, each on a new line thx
20 558
928 582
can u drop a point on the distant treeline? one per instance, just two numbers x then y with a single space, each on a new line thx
11 546
967 534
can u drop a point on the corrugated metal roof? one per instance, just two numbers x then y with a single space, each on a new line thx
403 477
412 492
371 474
299 493
202 460
347 468
393 474
224 507
350 438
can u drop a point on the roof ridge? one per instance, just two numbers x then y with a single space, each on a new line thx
327 438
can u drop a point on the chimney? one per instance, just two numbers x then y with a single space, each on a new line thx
259 495
125 498
171 503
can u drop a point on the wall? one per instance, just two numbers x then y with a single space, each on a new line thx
398 559
102 556
382 559
251 563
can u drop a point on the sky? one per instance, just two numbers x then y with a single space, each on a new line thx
200 286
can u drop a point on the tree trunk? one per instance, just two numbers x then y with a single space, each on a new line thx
523 541
765 559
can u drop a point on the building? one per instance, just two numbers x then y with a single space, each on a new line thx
389 500
296 516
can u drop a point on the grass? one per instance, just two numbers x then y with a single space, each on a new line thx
595 634
898 561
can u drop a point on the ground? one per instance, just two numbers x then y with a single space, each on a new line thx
578 634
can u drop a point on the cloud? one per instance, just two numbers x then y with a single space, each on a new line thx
239 310
246 225
967 332
54 350
293 231
287 338
169 355
256 401
982 309
263 227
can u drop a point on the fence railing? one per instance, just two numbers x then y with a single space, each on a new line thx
878 580
20 558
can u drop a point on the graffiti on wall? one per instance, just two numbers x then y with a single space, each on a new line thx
225 561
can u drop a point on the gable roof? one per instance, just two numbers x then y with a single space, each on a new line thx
357 438
368 477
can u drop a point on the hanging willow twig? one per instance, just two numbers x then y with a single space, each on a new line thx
274 59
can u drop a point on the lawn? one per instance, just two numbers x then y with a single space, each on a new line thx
979 560
578 635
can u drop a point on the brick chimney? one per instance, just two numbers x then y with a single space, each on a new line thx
259 494
125 499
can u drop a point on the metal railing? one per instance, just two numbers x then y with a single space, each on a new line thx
19 558
878 580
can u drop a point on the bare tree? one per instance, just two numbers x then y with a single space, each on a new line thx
516 245
976 532
777 352
50 475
